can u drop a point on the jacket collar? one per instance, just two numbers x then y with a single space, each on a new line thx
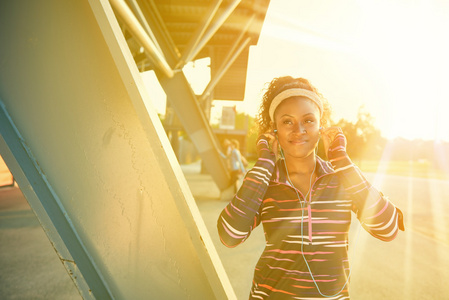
280 176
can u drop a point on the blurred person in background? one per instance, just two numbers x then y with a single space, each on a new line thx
237 164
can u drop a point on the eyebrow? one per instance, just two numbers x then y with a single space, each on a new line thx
305 115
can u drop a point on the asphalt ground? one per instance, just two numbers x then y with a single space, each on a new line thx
29 266
413 266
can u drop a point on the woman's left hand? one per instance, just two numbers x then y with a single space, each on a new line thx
328 135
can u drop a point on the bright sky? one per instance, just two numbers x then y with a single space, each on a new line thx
390 56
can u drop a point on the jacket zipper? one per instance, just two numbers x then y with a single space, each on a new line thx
309 208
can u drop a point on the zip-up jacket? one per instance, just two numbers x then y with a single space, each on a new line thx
299 230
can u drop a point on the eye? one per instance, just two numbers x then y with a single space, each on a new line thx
287 121
309 121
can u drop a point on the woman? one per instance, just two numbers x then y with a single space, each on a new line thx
303 202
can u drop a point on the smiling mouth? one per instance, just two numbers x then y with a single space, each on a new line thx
298 142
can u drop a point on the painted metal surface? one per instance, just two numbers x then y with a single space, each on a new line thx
89 152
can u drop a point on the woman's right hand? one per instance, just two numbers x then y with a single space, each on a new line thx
272 142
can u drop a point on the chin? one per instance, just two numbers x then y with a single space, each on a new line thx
301 154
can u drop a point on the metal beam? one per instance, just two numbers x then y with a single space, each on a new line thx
185 104
100 165
196 38
125 13
138 12
157 24
227 63
233 53
45 203
212 30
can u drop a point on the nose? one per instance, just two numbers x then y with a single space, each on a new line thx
300 129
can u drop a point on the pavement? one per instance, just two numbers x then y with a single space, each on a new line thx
30 268
414 266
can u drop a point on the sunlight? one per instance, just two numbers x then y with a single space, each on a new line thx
292 32
412 55
390 55
441 156
364 236
198 74
408 261
439 212
383 164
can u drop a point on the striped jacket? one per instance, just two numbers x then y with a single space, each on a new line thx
321 238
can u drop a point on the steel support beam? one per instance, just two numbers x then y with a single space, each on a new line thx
234 52
92 158
212 30
127 16
51 213
138 12
191 47
160 30
186 105
227 63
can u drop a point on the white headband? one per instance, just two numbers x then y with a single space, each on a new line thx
297 92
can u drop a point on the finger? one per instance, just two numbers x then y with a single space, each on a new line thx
270 136
331 132
275 146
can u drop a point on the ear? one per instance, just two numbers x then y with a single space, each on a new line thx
273 127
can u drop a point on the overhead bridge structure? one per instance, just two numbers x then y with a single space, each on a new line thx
80 134
165 35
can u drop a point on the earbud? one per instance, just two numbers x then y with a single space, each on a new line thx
279 145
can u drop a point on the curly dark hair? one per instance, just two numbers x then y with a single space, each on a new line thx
280 84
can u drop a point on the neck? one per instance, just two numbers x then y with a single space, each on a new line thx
301 166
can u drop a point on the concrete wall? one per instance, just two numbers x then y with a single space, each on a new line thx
71 87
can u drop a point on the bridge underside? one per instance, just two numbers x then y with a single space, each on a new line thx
89 152
164 36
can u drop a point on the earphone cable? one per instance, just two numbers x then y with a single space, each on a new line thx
302 203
